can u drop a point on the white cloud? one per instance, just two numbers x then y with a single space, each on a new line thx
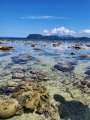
87 31
44 17
59 31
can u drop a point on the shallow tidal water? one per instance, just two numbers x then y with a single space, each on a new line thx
43 57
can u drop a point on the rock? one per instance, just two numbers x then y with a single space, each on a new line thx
72 53
6 90
33 45
18 76
88 84
11 83
18 73
88 45
5 48
8 108
84 82
56 44
33 96
22 59
37 49
87 72
77 46
64 67
39 75
85 56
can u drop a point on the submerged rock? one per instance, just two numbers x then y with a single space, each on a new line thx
22 59
64 67
8 108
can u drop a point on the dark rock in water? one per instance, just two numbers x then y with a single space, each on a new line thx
5 90
78 46
21 59
64 67
88 84
88 45
72 53
4 54
87 72
72 63
84 82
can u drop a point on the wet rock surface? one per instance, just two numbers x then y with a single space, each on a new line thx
5 48
64 67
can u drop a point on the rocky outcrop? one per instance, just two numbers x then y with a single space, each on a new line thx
30 96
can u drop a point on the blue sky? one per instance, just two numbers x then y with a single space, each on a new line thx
22 17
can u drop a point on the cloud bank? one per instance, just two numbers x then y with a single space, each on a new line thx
66 31
59 31
86 31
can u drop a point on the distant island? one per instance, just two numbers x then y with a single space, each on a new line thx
42 37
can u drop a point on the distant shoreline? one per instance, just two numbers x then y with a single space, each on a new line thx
41 37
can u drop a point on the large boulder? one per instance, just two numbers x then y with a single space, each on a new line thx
8 108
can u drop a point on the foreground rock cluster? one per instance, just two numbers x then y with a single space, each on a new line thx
28 96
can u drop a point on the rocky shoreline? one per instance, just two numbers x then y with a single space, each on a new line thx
46 90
